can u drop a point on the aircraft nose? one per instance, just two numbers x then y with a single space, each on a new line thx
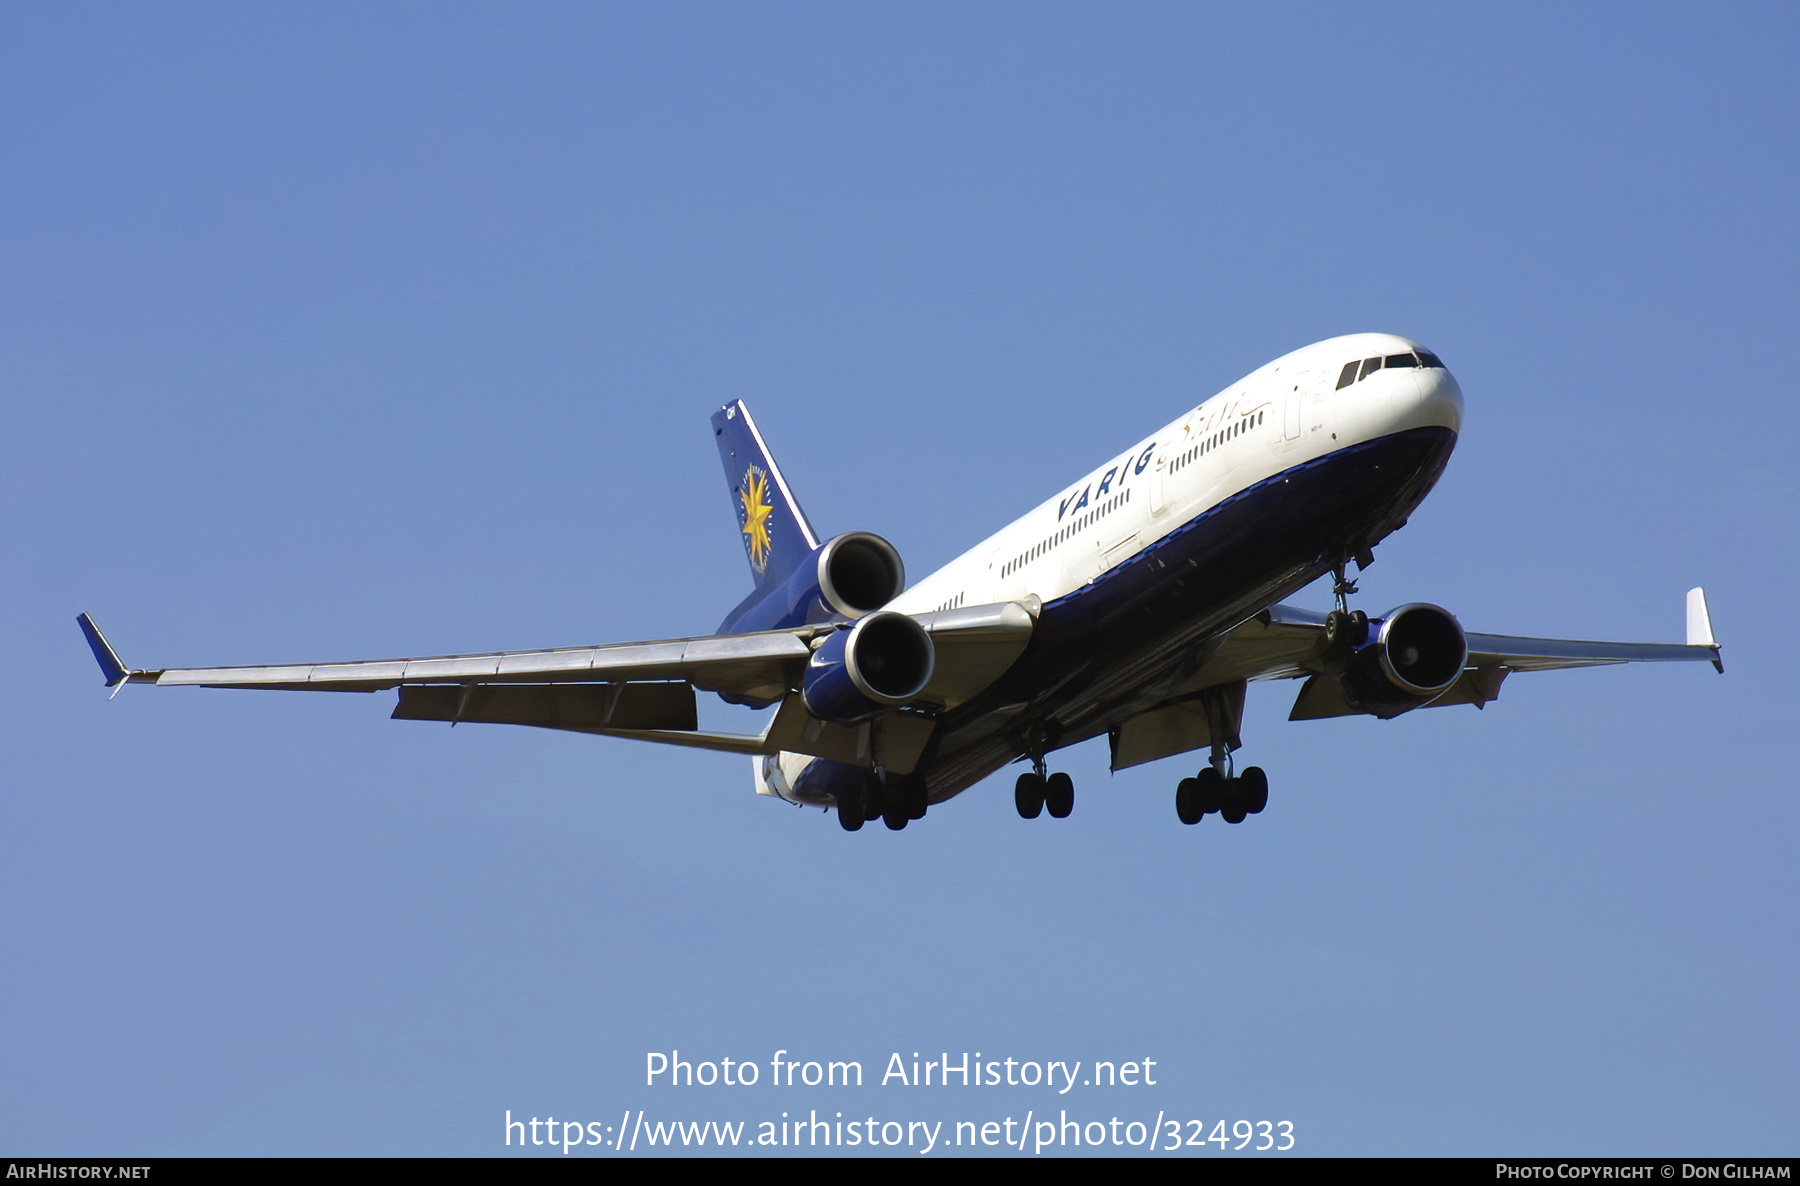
1439 401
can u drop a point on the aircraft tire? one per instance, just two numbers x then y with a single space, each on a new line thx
1028 795
1059 795
850 809
1256 789
912 793
1231 801
1187 801
895 816
1209 790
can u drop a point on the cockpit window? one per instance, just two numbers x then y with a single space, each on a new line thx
1356 371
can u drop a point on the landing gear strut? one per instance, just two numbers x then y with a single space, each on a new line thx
1218 788
1345 630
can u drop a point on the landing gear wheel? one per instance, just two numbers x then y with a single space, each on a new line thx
912 793
1231 801
1187 801
895 815
1208 790
850 809
1059 795
1255 786
1028 795
1344 632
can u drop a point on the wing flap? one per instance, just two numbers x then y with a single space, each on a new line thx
659 705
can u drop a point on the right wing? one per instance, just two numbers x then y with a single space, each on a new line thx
643 690
747 664
638 689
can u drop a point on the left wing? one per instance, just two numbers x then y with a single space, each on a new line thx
1285 642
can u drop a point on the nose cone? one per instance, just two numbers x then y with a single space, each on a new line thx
1438 404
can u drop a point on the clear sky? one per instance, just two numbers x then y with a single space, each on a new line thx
333 331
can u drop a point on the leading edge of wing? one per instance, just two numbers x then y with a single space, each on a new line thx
728 662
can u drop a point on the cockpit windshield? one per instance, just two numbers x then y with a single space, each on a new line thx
1358 369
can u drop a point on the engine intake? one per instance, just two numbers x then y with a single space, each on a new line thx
846 577
883 661
859 572
1415 656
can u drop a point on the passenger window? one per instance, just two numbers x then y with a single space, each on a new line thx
1347 376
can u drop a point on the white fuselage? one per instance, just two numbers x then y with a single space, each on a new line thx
1278 416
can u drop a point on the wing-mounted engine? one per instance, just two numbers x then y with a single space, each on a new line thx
1409 658
845 578
884 661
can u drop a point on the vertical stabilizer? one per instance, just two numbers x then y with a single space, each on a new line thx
774 529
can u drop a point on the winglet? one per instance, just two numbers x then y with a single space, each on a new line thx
110 667
1699 626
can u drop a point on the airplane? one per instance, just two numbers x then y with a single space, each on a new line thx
1137 603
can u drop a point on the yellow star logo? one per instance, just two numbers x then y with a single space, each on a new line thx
756 517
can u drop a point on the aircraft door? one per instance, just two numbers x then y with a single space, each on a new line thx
1296 401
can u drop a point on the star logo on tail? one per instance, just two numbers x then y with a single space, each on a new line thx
755 494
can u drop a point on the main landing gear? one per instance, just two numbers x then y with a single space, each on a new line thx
1035 791
1233 798
1215 788
1237 797
897 799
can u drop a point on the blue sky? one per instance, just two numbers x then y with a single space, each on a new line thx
352 331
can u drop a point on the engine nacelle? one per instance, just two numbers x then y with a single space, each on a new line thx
883 661
1416 654
845 578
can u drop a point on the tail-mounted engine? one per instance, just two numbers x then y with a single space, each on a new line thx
845 578
882 662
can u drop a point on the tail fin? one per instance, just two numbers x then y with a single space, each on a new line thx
776 533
